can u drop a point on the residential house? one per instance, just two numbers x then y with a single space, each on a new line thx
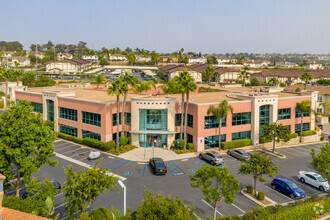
64 56
93 58
169 59
68 66
16 61
223 60
140 58
323 96
315 66
196 60
174 70
117 58
285 65
221 75
256 63
290 77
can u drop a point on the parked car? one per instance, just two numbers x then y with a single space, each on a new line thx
287 187
239 154
314 179
320 126
212 157
56 184
158 166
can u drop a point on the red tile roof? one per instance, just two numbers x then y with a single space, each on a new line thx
11 214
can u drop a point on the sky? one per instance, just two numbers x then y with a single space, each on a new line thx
207 26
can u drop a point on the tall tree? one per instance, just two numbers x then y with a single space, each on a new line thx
6 74
275 132
303 108
117 88
83 187
26 141
257 166
129 82
321 162
209 72
18 74
217 184
220 112
99 79
306 77
188 85
244 75
273 81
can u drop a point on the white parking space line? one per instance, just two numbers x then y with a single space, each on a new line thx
284 152
300 152
287 197
72 143
141 163
238 208
232 159
77 154
184 160
211 207
63 204
71 151
64 148
59 194
61 144
111 157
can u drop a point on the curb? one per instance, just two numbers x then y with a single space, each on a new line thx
256 201
275 155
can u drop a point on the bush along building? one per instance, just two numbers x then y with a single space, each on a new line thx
154 118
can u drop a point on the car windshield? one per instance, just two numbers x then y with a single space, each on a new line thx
321 179
293 186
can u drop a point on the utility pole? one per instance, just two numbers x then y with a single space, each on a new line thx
37 56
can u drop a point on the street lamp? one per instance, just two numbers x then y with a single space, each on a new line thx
124 187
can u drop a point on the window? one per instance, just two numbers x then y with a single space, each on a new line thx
37 107
50 110
153 119
114 119
190 120
68 130
114 136
213 141
213 122
128 118
241 135
320 110
91 118
189 137
298 113
67 113
306 127
241 118
320 99
90 134
284 113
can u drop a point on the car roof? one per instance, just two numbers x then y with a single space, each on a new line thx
284 180
157 159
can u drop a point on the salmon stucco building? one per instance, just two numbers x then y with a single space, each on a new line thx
154 118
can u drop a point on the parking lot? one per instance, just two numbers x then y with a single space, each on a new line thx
138 175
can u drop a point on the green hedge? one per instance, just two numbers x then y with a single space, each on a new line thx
264 140
179 146
308 133
293 135
123 141
190 146
235 144
101 213
70 138
249 189
261 195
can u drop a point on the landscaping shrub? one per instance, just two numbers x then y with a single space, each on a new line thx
248 216
93 143
249 189
293 135
235 144
261 195
123 141
314 197
24 205
308 133
70 138
282 85
264 140
190 146
322 137
179 146
102 213
109 145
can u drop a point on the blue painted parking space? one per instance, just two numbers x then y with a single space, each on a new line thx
174 169
198 162
115 165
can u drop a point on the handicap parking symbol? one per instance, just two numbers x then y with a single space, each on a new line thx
193 171
128 173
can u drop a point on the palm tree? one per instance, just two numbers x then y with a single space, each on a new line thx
306 77
220 112
129 82
273 81
209 72
18 74
303 107
99 79
6 74
188 85
117 88
244 75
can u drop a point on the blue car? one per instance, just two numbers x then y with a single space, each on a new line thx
287 187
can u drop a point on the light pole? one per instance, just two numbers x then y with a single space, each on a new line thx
124 187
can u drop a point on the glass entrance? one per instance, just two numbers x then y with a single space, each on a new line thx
159 140
50 110
263 117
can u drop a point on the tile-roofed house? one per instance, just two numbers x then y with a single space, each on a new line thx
117 57
174 70
11 214
16 60
64 56
68 66
221 75
256 63
289 76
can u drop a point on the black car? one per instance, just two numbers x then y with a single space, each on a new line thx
56 184
158 166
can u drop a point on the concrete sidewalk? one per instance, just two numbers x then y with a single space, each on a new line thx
137 154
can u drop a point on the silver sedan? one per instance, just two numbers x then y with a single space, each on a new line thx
212 157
